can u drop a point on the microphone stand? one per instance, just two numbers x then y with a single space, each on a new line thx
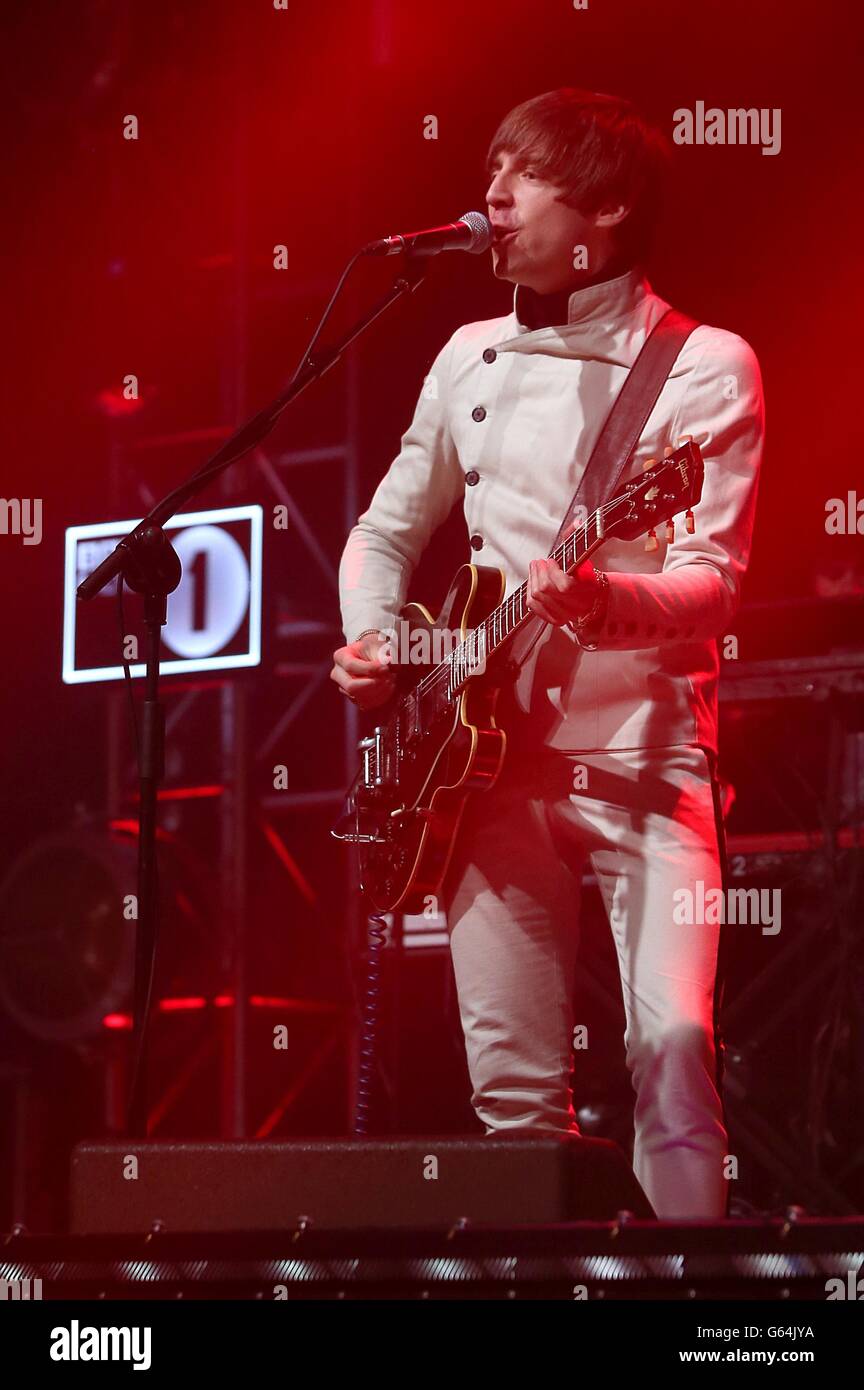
146 561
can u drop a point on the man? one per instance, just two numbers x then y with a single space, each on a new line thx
612 722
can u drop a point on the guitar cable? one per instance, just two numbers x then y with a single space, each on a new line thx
376 936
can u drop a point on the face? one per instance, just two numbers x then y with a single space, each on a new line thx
541 249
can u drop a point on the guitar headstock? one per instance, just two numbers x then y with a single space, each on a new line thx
668 487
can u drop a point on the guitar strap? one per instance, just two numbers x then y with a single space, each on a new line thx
628 416
618 438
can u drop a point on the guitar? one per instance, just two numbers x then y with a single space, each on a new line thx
440 742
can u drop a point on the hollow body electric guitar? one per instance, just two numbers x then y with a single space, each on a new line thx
440 741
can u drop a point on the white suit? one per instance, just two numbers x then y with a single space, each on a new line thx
506 421
544 398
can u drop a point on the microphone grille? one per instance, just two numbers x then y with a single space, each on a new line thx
481 232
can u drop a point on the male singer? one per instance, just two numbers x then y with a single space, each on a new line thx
612 724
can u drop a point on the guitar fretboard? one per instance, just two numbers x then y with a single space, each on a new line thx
489 637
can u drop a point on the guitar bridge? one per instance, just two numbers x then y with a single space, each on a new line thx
377 770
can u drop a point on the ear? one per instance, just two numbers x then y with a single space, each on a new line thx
611 215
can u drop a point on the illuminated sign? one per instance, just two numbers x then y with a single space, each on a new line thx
214 616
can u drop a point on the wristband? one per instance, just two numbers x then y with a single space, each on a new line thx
596 615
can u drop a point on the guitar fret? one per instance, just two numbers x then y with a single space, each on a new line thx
484 640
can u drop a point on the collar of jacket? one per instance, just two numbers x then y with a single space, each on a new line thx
601 303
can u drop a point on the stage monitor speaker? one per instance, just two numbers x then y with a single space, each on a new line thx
130 1186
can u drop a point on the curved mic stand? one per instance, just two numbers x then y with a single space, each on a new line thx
150 566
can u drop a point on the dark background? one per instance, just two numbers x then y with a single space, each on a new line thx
305 127
119 252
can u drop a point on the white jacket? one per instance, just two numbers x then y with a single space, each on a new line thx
509 434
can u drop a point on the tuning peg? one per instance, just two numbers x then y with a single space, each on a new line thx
651 542
649 463
670 530
668 451
689 522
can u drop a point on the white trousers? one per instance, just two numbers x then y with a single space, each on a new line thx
645 818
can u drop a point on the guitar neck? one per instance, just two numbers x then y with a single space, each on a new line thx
663 489
497 630
513 614
492 636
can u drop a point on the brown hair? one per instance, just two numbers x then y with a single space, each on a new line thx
600 150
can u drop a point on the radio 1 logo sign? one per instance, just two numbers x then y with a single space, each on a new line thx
214 615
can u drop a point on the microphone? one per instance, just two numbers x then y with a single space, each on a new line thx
472 232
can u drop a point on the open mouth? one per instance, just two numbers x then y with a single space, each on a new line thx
502 236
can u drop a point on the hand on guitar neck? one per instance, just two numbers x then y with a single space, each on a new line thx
561 598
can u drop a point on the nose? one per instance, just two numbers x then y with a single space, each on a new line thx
498 194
